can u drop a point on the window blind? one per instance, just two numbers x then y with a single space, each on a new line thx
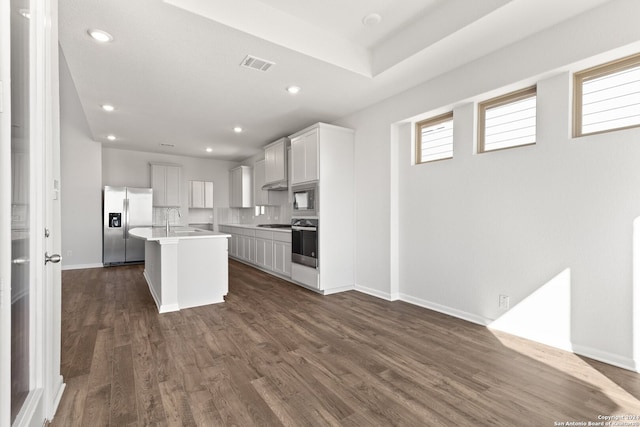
436 141
511 124
611 101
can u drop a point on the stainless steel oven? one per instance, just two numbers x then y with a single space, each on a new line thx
305 200
304 241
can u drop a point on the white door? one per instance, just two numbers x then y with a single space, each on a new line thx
30 288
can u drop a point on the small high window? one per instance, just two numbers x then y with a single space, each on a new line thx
507 121
434 138
607 97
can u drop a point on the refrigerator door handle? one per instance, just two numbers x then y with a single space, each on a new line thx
125 219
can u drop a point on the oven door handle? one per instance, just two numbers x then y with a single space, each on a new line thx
297 228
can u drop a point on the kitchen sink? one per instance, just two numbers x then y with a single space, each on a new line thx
274 225
185 230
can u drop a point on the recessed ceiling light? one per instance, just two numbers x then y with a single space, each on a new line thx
108 107
371 19
293 89
111 137
100 36
209 150
237 129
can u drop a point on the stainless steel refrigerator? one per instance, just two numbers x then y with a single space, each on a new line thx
124 208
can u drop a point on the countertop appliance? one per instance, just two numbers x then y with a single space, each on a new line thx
124 208
304 242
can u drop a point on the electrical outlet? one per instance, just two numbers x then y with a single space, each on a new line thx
503 302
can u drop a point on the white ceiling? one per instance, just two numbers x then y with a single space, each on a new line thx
173 69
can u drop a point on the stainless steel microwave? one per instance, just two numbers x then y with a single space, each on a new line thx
305 199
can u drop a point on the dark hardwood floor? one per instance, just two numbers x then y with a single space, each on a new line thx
276 354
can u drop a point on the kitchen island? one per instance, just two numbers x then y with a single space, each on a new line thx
185 267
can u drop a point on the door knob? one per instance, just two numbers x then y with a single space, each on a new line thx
55 258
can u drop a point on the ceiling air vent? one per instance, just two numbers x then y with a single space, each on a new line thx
256 63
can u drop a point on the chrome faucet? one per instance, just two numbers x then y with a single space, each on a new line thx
166 217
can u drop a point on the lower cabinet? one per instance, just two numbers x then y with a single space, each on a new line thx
282 258
264 253
233 245
268 250
248 245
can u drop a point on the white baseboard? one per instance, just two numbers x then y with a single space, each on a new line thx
606 357
81 266
470 317
376 293
337 290
581 350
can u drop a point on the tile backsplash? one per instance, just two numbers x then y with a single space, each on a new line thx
216 216
271 215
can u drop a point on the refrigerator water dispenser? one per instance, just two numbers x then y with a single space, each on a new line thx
115 220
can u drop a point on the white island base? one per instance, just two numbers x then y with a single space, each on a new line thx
185 268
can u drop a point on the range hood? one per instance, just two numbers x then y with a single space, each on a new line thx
276 186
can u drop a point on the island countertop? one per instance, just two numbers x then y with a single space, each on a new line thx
160 233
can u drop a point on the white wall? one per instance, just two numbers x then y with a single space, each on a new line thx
80 181
460 232
131 168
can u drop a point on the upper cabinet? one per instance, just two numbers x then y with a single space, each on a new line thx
208 194
275 157
305 156
200 194
240 194
165 181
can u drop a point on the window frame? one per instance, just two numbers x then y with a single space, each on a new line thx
595 72
431 121
499 101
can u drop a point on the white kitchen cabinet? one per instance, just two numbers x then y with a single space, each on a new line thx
240 186
282 258
275 156
282 253
200 194
246 244
264 249
208 194
248 248
165 181
326 152
235 241
196 194
305 156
